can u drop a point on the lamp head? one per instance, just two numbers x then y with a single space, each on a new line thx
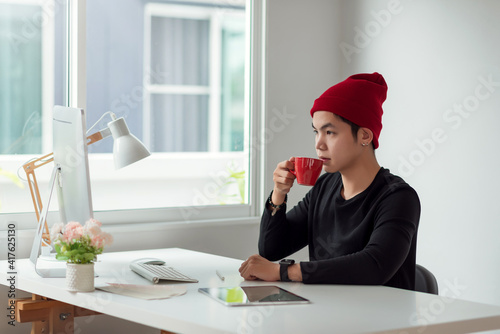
127 149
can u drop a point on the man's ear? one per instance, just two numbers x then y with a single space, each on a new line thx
365 136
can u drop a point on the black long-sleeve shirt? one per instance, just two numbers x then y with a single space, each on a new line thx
369 239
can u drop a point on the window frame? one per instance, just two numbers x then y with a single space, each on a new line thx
254 147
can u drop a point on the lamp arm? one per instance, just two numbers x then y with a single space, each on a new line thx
32 165
29 169
42 222
93 138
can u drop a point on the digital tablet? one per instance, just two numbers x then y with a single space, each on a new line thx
253 295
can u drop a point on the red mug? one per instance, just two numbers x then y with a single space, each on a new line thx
307 170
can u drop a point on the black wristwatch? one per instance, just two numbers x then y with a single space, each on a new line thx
284 264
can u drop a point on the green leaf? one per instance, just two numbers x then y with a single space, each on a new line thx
62 257
241 188
89 257
238 175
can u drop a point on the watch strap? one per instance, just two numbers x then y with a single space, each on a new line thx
284 264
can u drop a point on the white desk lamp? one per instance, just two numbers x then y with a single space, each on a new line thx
127 149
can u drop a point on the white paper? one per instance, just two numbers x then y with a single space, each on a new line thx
144 291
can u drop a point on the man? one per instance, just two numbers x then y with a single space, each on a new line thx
359 220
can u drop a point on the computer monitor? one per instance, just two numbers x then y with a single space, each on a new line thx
70 178
71 155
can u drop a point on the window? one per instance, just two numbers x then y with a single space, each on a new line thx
195 99
161 66
31 41
21 87
179 73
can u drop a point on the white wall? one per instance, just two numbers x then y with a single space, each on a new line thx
302 61
433 55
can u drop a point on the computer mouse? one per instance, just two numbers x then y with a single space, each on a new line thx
150 260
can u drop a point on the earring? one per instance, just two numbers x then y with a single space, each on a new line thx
364 144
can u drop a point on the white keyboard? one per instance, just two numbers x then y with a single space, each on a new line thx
155 273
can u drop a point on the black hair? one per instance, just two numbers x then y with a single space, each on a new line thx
354 128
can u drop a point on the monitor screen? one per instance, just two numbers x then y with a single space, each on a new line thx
71 155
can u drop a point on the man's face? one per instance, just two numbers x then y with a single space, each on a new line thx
335 144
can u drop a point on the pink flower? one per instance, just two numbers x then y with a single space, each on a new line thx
73 230
94 221
74 239
92 227
97 241
101 240
56 231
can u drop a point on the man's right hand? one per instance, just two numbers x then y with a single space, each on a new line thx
283 180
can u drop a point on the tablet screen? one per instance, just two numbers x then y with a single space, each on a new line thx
253 295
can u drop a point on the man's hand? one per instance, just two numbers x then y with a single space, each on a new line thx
257 267
283 180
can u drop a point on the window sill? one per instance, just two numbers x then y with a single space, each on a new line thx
163 180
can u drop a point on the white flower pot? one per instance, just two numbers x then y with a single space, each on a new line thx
80 277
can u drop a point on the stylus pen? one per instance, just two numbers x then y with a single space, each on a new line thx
220 275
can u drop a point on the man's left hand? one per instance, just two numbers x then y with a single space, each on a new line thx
257 267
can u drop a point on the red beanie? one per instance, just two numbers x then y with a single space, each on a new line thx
358 99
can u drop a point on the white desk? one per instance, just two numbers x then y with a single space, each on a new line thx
334 308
